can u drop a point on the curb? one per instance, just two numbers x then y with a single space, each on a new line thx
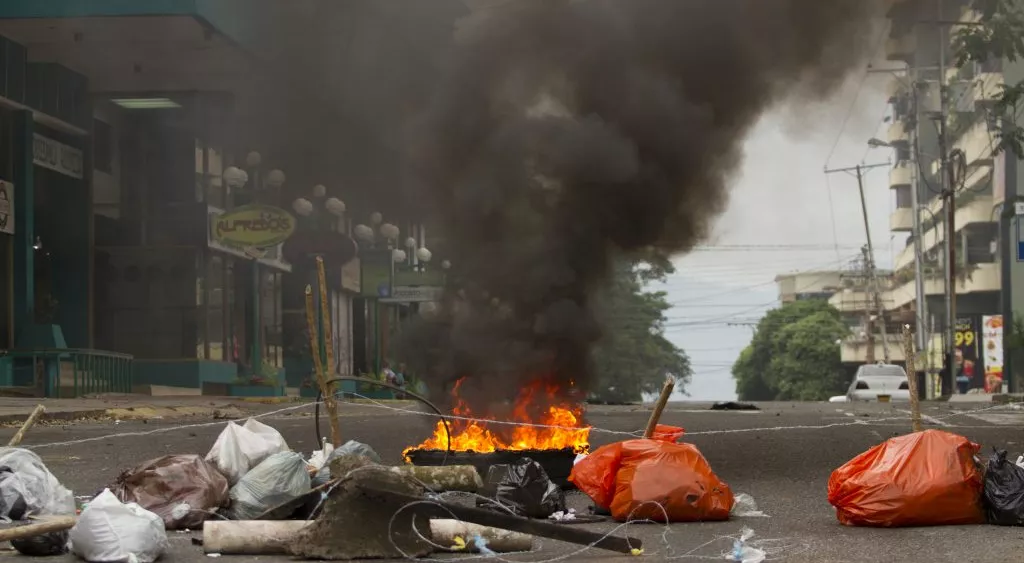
60 416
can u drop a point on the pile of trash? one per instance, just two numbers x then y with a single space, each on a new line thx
249 471
929 478
655 479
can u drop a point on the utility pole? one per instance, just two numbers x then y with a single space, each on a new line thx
949 193
869 318
869 265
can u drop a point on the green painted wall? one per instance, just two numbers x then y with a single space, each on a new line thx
94 8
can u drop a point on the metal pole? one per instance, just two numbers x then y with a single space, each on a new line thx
921 303
873 278
949 190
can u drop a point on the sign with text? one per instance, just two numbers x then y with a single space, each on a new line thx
57 156
253 226
414 294
992 344
6 207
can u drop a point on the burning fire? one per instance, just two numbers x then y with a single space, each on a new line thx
559 426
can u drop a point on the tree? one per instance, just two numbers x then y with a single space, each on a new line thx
793 355
999 34
634 357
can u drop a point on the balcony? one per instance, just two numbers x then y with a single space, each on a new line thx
854 350
979 210
902 220
898 134
901 175
988 86
850 301
977 144
985 277
901 48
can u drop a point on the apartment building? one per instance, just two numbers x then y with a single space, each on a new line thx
920 41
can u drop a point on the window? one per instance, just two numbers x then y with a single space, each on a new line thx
270 318
102 147
209 171
903 197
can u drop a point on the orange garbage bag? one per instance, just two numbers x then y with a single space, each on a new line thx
667 433
923 479
653 480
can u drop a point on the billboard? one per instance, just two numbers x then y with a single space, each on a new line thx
992 351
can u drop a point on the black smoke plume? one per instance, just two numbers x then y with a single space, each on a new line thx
566 133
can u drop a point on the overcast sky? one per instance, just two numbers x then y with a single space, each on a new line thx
785 215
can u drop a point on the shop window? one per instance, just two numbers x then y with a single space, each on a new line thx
209 170
270 318
103 147
220 308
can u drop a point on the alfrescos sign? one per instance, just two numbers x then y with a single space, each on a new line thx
56 156
253 226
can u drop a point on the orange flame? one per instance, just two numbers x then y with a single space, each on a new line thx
559 426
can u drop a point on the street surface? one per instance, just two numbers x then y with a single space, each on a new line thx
779 454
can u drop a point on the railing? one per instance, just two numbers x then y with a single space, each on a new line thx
67 372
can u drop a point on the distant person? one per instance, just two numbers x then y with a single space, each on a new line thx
400 376
389 375
963 378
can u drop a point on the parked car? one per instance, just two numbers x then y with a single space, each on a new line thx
874 380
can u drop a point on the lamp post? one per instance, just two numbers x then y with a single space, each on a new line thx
237 179
315 210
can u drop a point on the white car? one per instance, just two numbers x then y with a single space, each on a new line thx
872 381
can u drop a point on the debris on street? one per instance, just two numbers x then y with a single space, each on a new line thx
927 478
26 426
746 507
240 448
252 537
183 490
280 478
522 488
653 480
734 406
109 530
1004 491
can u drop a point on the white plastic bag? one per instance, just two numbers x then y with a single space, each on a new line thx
109 531
280 478
240 448
29 481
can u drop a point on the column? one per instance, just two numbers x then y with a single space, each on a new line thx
24 223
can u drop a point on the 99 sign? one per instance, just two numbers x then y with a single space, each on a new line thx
964 338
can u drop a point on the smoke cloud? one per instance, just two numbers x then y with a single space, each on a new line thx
568 132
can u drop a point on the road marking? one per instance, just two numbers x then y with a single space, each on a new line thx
1010 419
928 419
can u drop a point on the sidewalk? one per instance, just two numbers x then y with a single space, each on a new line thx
137 407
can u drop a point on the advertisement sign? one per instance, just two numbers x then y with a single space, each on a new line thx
6 207
966 340
253 226
992 346
58 157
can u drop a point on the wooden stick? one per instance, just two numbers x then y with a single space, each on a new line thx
29 423
325 312
321 378
446 510
909 353
659 407
46 526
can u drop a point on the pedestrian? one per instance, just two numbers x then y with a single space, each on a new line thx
389 376
963 379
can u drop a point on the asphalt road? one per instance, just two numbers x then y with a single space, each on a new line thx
782 455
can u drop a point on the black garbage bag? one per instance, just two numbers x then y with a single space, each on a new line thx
522 487
1004 491
46 545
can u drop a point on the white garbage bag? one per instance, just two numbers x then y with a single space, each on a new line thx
240 448
27 488
280 478
108 531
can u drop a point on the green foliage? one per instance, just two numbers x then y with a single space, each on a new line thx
1000 35
634 357
793 356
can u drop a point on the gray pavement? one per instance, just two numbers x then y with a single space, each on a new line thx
782 455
